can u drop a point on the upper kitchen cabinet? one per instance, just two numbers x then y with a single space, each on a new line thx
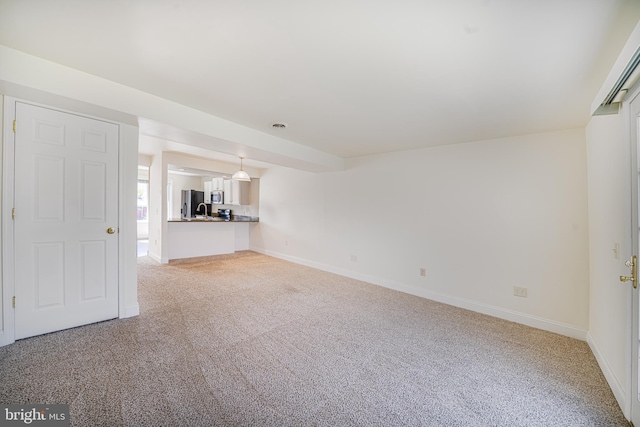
217 184
236 192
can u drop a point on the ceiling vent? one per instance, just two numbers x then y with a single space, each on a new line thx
629 76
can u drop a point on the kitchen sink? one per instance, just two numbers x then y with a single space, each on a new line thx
202 218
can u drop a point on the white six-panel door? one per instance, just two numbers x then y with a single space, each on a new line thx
634 133
66 200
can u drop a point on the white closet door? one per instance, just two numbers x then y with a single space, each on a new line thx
66 220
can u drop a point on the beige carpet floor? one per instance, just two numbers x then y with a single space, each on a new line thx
249 340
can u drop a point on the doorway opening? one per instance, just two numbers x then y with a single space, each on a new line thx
143 211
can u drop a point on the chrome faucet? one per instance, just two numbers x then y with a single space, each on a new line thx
205 209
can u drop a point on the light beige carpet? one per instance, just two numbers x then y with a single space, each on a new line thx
251 340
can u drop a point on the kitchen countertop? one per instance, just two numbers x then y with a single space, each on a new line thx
234 218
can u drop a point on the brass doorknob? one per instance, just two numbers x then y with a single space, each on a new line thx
111 230
633 265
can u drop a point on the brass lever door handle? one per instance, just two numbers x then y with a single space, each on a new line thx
633 265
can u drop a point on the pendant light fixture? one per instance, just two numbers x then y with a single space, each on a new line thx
241 175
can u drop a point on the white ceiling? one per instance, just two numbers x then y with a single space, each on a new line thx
349 77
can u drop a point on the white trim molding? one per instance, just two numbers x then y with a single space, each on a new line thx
8 289
131 311
617 388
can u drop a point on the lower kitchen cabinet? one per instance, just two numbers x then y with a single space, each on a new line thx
189 239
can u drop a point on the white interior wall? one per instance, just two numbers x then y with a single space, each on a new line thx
144 160
609 177
242 232
157 205
128 273
480 217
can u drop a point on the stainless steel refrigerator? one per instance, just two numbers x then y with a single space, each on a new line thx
190 201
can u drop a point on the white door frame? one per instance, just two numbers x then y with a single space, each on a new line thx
8 286
7 331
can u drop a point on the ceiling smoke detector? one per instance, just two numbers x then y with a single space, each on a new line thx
279 125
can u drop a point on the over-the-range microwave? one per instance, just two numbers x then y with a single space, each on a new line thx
217 197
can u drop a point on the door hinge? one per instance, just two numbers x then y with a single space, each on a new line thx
13 213
13 302
15 126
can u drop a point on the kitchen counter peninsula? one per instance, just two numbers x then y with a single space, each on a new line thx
234 218
196 237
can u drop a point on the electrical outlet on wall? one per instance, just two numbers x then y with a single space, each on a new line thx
519 291
423 272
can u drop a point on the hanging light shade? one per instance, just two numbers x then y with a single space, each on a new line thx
241 175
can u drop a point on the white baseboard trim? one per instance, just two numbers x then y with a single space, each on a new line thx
6 338
617 388
158 259
131 311
479 307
